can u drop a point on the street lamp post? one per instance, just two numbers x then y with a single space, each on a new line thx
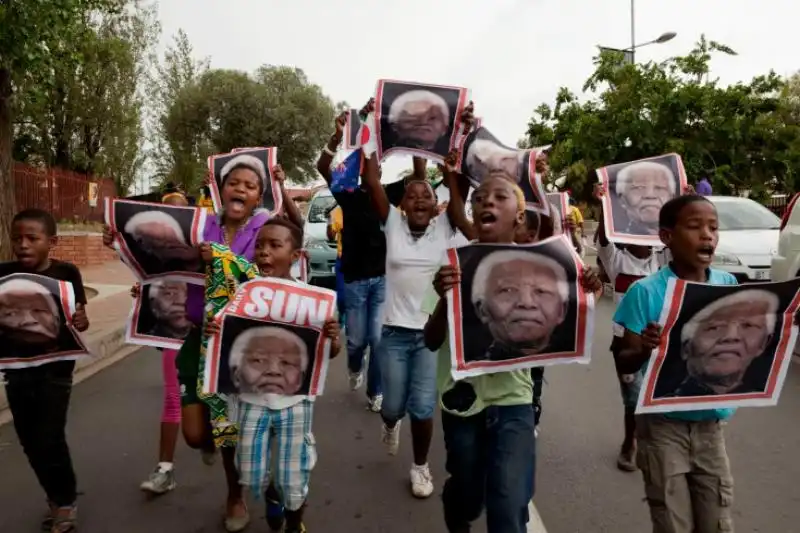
630 52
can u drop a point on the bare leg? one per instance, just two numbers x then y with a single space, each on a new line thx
169 438
421 435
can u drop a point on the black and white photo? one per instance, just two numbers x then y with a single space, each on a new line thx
352 130
725 346
159 317
518 307
158 241
35 321
418 119
559 201
634 194
259 160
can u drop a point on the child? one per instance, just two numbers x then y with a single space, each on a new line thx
624 264
488 420
39 396
682 455
277 246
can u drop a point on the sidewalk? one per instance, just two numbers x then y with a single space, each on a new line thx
108 291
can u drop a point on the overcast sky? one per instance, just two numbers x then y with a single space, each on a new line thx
512 54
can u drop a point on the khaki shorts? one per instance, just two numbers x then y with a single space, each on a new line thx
687 475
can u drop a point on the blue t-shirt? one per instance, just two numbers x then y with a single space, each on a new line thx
642 305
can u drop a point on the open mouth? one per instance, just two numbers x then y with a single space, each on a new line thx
706 253
236 203
486 219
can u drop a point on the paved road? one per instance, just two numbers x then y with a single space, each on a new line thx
357 488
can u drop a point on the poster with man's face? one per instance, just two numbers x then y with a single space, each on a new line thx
35 316
634 194
559 206
158 241
270 341
159 317
518 307
484 155
351 129
723 346
418 119
263 159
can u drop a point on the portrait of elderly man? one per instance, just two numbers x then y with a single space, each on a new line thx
269 360
162 244
641 189
420 119
29 316
721 341
485 157
167 301
521 297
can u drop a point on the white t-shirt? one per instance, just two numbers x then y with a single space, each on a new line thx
411 265
623 268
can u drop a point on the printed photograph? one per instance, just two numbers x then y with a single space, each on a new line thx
518 307
351 130
635 192
158 241
727 346
417 119
159 317
559 201
258 160
35 312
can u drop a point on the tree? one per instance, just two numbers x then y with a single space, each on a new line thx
735 135
225 109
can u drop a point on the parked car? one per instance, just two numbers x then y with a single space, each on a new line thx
748 238
320 251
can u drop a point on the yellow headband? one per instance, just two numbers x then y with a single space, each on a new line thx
172 195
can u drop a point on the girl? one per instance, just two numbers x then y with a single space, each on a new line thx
488 420
416 240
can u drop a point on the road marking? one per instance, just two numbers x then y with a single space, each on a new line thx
535 524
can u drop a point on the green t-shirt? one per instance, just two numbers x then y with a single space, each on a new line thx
501 388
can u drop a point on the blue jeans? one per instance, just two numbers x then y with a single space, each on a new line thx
491 461
340 299
364 309
408 372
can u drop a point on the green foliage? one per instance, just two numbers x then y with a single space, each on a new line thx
737 136
225 109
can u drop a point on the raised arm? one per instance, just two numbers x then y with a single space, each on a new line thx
326 157
289 207
420 168
372 183
458 186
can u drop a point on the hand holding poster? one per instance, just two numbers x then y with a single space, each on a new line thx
634 194
417 119
158 241
270 340
722 346
518 307
257 160
159 317
36 321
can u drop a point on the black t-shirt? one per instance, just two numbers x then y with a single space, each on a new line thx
59 270
363 242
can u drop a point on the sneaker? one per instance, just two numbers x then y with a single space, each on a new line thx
356 380
159 482
375 403
209 456
235 524
299 529
626 461
65 520
275 516
47 519
421 481
391 437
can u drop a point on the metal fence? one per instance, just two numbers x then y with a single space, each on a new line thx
63 193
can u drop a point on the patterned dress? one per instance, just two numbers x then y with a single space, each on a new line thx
223 276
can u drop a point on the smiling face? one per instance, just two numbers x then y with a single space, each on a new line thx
241 193
726 342
496 211
168 303
271 364
646 191
28 318
421 122
522 305
419 205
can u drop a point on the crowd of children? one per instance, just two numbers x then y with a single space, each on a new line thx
267 444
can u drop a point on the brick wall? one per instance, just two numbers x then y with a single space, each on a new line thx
83 249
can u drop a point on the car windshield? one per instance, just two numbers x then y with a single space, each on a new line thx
318 211
745 215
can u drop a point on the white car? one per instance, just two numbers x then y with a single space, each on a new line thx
786 264
748 238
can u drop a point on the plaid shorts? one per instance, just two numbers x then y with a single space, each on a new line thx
285 433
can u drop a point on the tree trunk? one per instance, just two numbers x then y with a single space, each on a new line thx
7 198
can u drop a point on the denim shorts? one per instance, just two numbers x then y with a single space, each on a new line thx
408 374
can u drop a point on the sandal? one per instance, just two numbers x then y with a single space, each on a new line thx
65 520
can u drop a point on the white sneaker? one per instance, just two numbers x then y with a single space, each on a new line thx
159 482
375 403
421 481
391 437
356 380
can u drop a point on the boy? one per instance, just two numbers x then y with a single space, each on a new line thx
39 396
688 482
278 246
